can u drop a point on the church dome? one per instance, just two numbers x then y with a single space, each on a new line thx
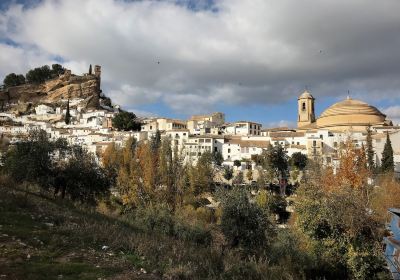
350 113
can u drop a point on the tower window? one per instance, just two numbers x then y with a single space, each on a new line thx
303 106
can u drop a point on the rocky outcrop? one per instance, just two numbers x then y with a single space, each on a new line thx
52 92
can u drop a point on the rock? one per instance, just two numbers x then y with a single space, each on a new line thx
49 224
104 247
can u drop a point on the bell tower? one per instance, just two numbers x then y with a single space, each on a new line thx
306 113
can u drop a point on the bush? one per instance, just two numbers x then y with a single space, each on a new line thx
243 223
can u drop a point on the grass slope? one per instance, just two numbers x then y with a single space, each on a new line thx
41 238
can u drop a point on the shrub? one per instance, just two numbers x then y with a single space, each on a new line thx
13 79
243 223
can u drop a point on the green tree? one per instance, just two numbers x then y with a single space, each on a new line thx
370 150
39 75
387 164
243 223
126 121
298 160
67 114
275 161
13 79
57 69
84 179
30 160
217 158
228 173
237 163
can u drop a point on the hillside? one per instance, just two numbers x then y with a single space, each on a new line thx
42 239
86 89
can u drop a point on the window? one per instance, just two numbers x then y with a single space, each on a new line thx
215 149
151 127
229 150
303 106
314 143
208 140
321 136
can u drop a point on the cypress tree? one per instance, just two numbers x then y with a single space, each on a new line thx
370 150
387 156
67 114
90 69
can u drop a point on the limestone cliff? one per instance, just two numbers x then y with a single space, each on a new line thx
54 92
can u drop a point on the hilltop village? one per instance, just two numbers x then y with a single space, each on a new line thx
44 106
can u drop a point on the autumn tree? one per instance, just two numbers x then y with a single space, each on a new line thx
333 211
202 175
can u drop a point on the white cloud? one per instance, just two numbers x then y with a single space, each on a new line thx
281 123
393 113
249 52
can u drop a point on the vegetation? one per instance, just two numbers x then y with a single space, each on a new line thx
126 121
35 76
13 79
298 160
370 151
387 164
67 114
171 218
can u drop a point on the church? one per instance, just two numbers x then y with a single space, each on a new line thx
346 115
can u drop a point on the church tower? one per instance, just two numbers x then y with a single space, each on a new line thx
306 111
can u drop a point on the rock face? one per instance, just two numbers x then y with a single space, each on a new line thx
53 92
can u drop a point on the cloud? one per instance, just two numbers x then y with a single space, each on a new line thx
393 114
195 57
281 123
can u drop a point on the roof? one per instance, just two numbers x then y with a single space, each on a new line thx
287 134
349 107
244 143
306 95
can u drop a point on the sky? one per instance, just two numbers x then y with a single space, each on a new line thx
250 59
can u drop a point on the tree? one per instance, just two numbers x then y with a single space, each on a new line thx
67 114
298 160
333 211
228 173
90 69
249 175
84 179
30 160
202 175
370 150
387 164
126 121
57 69
237 163
39 75
217 158
13 79
243 223
275 161
155 141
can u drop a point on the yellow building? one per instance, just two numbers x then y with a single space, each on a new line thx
346 115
